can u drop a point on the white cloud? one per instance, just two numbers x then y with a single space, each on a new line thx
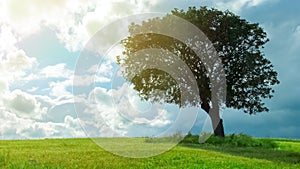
86 80
84 19
69 128
15 64
8 39
3 87
102 96
10 123
118 112
105 69
59 89
33 89
74 21
102 79
27 116
56 71
17 61
23 104
252 3
74 127
63 79
160 120
106 12
14 127
26 16
95 74
238 5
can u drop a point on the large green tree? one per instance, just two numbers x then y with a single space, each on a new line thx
238 43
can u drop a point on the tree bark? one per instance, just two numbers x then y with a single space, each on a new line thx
219 130
217 122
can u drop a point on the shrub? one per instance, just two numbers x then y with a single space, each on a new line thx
234 140
174 138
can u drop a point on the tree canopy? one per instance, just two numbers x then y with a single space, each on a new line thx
239 44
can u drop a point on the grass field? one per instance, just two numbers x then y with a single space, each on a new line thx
84 153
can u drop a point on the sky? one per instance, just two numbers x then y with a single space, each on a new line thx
41 43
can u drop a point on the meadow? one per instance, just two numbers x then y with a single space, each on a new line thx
77 153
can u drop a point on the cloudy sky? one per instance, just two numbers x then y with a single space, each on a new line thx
41 42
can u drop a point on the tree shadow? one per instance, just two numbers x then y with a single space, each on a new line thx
274 155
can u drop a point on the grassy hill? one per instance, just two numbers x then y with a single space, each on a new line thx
84 153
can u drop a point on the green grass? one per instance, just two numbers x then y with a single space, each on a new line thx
289 145
84 153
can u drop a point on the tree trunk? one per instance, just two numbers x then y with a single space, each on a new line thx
219 130
217 122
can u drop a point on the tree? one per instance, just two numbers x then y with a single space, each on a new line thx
238 43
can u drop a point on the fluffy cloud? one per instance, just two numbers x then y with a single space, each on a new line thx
120 112
8 39
86 80
23 104
93 17
69 128
95 74
74 21
23 115
17 61
14 65
160 120
59 89
27 16
56 71
14 127
3 87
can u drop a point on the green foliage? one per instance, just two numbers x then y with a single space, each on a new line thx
249 75
174 138
233 140
242 140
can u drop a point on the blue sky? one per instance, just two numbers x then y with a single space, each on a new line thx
39 50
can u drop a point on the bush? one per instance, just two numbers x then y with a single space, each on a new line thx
175 138
233 140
